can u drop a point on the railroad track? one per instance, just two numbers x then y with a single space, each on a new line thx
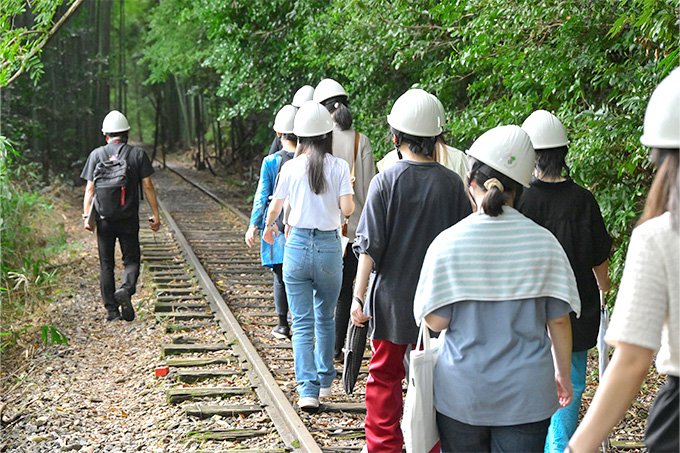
236 381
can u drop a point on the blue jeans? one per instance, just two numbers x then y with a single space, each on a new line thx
312 273
563 422
460 437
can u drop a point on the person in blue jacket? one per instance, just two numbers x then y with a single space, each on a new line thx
272 255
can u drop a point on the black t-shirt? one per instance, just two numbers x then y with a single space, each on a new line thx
407 206
571 213
139 167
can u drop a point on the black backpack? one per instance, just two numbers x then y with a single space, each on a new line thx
112 198
285 157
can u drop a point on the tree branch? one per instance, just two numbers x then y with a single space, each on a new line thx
55 28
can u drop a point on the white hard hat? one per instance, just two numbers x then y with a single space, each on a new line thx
312 120
662 119
304 94
115 122
328 88
416 113
506 149
442 112
283 123
545 130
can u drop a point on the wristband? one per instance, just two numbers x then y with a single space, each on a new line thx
356 299
269 226
85 216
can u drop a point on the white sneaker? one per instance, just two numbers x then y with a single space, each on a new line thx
324 392
308 402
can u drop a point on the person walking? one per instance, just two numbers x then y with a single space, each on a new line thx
271 256
503 288
355 149
116 211
318 188
407 206
571 213
646 317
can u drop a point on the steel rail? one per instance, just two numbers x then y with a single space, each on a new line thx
289 425
217 199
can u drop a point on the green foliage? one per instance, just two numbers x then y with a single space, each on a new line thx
28 236
53 335
10 338
19 43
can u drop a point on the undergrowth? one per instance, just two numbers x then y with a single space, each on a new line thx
31 236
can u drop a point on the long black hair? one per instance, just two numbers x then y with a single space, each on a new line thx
550 162
316 149
495 198
417 145
337 107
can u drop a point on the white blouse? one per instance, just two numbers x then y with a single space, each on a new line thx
647 310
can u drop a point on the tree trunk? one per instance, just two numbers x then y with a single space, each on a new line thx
159 99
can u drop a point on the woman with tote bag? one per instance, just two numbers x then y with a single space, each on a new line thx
503 288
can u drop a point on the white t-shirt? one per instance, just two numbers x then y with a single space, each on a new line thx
309 210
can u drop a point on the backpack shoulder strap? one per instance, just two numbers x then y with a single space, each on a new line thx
285 157
124 151
354 161
101 153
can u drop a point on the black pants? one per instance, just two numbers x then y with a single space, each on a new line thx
126 231
662 433
280 300
349 271
460 437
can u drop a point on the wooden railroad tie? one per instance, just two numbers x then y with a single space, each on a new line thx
175 349
183 394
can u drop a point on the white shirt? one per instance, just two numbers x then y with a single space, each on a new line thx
309 210
647 310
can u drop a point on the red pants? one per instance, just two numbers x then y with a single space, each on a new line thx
384 398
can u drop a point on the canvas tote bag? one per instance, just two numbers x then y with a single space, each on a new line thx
419 423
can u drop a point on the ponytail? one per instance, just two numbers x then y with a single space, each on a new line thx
499 188
337 106
316 149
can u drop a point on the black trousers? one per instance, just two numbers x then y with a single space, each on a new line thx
126 231
662 433
349 271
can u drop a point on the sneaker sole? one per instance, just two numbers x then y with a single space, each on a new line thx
280 336
126 309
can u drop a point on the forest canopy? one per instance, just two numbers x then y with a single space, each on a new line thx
211 75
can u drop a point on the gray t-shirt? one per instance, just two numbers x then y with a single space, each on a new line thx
407 206
495 367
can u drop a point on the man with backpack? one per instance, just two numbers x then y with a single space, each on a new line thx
114 174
